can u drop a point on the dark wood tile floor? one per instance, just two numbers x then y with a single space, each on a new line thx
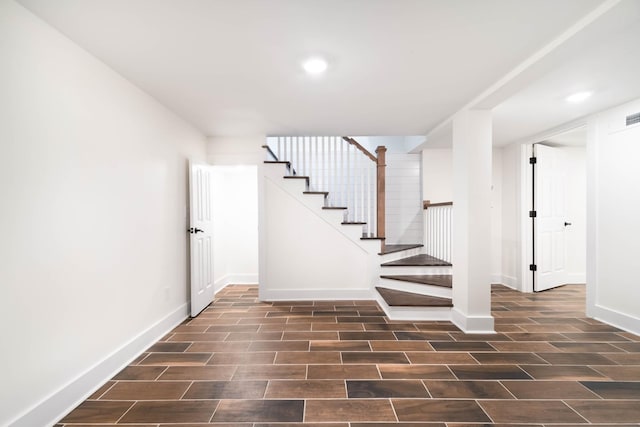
344 364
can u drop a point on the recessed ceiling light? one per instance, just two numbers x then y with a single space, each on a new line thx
315 65
578 97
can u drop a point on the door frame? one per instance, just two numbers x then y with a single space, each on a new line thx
526 197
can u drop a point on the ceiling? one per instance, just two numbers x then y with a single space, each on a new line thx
401 67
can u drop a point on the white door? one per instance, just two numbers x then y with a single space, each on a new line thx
201 236
549 237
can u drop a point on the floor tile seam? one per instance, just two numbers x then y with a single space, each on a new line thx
380 377
208 360
594 367
214 411
127 411
623 350
107 390
393 408
575 410
482 408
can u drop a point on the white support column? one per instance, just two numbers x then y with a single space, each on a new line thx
471 228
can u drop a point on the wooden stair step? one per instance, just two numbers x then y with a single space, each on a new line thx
277 162
389 249
442 280
395 298
372 238
417 260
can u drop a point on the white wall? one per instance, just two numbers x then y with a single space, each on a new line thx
437 179
304 251
235 216
496 216
93 187
510 218
394 144
403 199
612 215
437 175
236 150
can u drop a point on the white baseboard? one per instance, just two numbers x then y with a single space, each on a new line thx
472 324
316 294
62 401
508 281
235 279
615 318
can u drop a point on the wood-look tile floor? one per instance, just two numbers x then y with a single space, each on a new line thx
344 364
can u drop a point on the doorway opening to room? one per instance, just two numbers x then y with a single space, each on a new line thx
223 230
556 209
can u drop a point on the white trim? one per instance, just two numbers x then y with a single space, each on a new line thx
59 403
416 288
616 318
316 294
526 228
508 281
593 197
414 314
235 279
472 324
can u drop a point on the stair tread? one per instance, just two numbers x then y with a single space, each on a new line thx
296 177
442 280
315 192
417 260
334 207
372 238
389 249
354 223
396 298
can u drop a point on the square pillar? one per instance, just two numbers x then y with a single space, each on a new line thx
471 228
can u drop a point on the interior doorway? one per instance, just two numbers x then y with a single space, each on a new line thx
558 210
235 225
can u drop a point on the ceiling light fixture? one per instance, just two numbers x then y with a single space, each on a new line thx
315 65
578 97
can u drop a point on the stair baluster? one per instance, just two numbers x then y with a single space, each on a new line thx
438 225
339 165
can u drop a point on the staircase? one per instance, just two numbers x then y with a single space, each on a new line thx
408 284
414 285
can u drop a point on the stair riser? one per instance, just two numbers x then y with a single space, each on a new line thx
399 255
415 313
336 217
417 288
413 270
297 186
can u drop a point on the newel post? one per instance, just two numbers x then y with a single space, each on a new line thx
380 185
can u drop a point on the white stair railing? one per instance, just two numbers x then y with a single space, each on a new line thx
437 229
339 166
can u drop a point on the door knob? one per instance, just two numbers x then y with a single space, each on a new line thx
193 230
566 223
